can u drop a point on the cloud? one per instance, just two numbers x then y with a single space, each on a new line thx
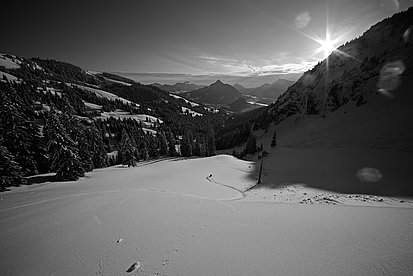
241 67
287 68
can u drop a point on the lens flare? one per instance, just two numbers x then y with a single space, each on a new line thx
390 78
369 175
327 46
302 20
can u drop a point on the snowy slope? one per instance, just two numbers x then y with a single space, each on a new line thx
9 63
188 102
120 114
117 81
8 76
101 93
186 110
181 217
329 153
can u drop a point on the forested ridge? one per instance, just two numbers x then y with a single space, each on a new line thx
51 122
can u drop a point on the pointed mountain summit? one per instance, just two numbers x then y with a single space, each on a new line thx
217 93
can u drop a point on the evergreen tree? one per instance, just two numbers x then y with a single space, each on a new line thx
202 147
152 146
81 136
197 146
186 147
171 144
20 134
97 148
64 157
127 150
10 171
274 140
211 142
163 144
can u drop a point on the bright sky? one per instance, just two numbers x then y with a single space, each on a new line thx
237 37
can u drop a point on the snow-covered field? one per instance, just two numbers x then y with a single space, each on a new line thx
8 76
190 112
120 82
9 63
188 102
191 217
100 93
92 105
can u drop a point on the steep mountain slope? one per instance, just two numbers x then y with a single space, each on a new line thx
239 87
178 87
358 96
239 105
267 90
217 93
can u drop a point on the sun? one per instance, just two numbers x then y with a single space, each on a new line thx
327 46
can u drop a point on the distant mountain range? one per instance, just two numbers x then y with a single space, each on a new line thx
204 79
178 87
267 90
217 93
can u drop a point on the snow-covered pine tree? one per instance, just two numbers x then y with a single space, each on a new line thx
97 148
64 157
152 146
81 137
10 171
20 134
127 150
79 133
144 152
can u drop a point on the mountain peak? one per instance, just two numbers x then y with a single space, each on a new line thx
218 82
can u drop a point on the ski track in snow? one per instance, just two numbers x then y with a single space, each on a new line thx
188 233
219 200
311 198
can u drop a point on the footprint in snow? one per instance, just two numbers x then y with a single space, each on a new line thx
133 267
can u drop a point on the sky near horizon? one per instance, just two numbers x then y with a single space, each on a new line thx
234 37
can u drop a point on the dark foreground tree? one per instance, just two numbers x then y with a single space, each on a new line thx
20 134
186 147
100 156
127 150
10 171
64 157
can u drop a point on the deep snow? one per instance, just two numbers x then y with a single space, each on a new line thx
172 217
